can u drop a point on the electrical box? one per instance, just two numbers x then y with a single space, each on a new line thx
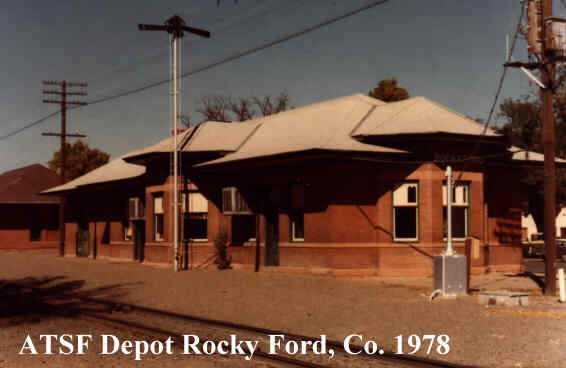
534 27
556 39
450 275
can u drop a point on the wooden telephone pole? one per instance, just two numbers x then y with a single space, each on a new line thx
63 134
549 146
546 47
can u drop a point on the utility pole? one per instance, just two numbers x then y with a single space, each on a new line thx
547 47
549 146
176 27
63 134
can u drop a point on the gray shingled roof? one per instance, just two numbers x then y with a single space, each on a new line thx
325 126
417 115
521 155
115 170
329 125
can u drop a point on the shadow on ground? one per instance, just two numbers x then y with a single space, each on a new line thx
31 300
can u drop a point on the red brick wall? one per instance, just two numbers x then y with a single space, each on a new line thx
15 225
348 219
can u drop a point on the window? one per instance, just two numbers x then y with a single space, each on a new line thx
195 216
297 226
158 217
406 212
460 211
127 230
35 226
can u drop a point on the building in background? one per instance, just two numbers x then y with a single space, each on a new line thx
350 185
28 221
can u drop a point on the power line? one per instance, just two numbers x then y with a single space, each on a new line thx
30 125
218 63
497 93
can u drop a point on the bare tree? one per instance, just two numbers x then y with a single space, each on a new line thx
242 108
215 108
269 106
227 109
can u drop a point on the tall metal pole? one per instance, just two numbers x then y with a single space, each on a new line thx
449 247
176 26
549 146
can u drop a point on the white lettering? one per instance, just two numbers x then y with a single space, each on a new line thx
47 342
67 344
115 341
347 344
275 343
28 344
82 342
188 346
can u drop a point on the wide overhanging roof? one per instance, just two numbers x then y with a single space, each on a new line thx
115 170
323 126
418 115
339 125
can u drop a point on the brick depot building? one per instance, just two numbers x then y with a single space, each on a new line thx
29 221
351 185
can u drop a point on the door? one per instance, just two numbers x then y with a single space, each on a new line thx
139 240
82 242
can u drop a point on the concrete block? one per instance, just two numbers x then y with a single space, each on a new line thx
506 298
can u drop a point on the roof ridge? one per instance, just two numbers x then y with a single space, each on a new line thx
411 103
186 141
447 109
368 113
254 130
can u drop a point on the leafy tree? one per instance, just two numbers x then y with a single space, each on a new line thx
387 91
522 128
228 109
80 159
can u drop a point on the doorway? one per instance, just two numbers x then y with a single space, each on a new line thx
139 240
83 248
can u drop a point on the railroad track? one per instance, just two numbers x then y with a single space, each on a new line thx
175 325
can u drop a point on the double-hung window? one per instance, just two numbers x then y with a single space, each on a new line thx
127 230
297 226
158 214
195 216
460 210
297 216
406 212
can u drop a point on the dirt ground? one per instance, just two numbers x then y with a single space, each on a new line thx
377 308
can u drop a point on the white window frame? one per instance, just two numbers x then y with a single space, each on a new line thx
459 199
187 200
293 237
158 210
127 231
400 198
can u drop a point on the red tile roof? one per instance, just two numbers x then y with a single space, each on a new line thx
24 184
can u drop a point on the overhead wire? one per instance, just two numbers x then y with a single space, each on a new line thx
217 63
497 93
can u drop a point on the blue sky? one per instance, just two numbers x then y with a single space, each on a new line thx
449 51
